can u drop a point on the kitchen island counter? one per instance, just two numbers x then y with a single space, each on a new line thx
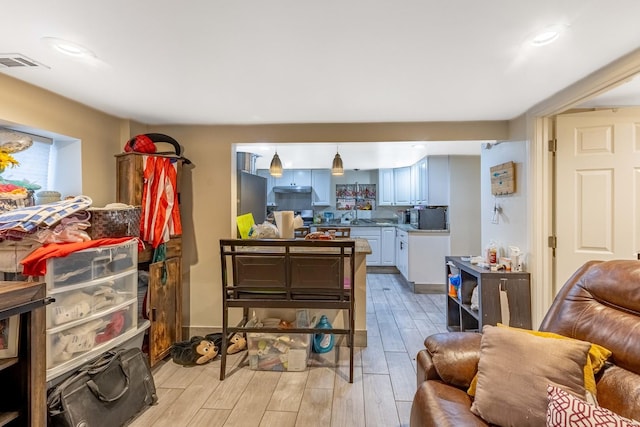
362 249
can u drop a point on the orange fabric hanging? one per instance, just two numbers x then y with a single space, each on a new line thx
160 209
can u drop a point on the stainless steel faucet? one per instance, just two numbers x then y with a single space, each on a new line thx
350 213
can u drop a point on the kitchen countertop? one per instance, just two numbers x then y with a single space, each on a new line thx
380 223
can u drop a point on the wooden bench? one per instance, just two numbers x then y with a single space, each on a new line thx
288 274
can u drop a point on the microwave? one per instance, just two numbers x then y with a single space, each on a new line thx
433 218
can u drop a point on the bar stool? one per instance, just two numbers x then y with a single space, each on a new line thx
339 232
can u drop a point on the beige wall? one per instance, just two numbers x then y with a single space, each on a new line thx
26 105
207 186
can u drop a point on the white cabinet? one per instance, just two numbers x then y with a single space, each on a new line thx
402 252
271 196
388 246
385 187
321 187
295 177
394 186
438 180
372 234
426 252
421 182
418 255
402 186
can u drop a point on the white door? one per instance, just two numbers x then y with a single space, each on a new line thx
598 188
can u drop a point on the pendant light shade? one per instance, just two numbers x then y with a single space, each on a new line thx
275 169
336 167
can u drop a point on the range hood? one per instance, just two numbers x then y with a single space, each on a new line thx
291 189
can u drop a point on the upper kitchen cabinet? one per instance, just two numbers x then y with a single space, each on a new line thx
395 187
295 177
271 182
438 181
419 183
321 187
402 186
385 187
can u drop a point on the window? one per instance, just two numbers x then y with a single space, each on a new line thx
53 162
34 165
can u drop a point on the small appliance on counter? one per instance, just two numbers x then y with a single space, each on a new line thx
328 217
404 216
433 218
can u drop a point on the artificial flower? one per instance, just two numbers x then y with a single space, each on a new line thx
7 159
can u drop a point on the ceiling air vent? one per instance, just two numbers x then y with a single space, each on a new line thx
16 60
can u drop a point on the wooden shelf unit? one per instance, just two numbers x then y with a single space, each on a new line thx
23 391
460 316
165 277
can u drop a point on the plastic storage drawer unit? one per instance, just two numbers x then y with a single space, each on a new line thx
80 301
67 342
91 264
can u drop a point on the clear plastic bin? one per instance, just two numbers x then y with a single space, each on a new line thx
74 302
66 342
91 264
278 352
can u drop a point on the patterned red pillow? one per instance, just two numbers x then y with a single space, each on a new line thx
567 410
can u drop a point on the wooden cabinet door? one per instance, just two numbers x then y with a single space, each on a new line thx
165 307
129 179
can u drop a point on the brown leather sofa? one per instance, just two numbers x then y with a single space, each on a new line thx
600 303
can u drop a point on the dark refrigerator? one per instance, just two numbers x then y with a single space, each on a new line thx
252 196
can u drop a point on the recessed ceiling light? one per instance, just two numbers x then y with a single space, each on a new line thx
548 35
69 48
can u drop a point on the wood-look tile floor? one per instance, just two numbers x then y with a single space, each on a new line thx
381 394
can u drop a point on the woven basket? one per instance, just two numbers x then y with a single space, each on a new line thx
121 222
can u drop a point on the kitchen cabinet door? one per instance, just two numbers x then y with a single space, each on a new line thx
402 186
321 187
402 253
372 234
295 177
385 187
388 246
422 182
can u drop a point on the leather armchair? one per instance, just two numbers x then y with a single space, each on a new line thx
600 303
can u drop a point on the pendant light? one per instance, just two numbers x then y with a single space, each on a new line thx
336 167
275 169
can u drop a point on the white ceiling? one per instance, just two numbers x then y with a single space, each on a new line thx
362 155
298 61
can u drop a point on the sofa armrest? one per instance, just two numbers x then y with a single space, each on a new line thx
451 357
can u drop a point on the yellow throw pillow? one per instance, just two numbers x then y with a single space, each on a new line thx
596 358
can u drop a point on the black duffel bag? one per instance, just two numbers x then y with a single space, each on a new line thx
107 392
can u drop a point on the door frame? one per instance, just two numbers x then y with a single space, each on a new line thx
540 129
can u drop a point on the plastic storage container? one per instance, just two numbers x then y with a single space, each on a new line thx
278 352
95 332
81 301
95 307
91 264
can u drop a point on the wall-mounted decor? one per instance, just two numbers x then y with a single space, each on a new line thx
9 337
503 179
